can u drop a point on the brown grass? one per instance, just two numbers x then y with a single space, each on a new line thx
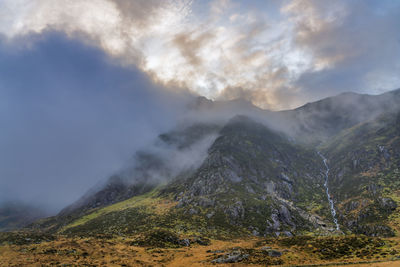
119 252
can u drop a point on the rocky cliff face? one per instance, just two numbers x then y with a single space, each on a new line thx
240 176
257 179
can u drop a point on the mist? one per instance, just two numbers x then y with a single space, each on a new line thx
71 119
162 161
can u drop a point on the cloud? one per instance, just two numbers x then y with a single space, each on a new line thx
354 45
205 54
218 7
280 54
71 119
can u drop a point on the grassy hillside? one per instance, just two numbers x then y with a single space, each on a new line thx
365 180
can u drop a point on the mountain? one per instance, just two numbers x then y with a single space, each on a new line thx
15 215
252 180
238 175
319 121
234 183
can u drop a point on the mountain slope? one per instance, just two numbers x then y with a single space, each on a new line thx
243 176
253 180
174 153
365 181
319 121
14 215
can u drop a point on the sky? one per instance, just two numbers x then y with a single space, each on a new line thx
83 84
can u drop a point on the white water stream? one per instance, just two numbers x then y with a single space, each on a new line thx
333 211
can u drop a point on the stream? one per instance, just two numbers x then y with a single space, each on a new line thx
333 211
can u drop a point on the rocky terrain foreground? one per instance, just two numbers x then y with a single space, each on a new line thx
162 248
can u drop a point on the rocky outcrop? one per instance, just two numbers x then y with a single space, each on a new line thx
255 178
235 256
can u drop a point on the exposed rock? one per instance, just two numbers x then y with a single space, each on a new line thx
235 256
215 251
192 211
255 233
236 210
250 190
206 202
232 176
275 220
270 187
201 241
384 152
388 204
288 234
373 188
274 253
352 205
184 242
209 215
285 178
285 215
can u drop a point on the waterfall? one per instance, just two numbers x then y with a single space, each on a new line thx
333 211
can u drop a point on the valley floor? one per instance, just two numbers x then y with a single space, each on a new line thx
296 251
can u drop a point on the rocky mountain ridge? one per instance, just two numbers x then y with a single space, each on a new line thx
256 177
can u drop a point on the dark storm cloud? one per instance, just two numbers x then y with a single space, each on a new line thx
70 117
